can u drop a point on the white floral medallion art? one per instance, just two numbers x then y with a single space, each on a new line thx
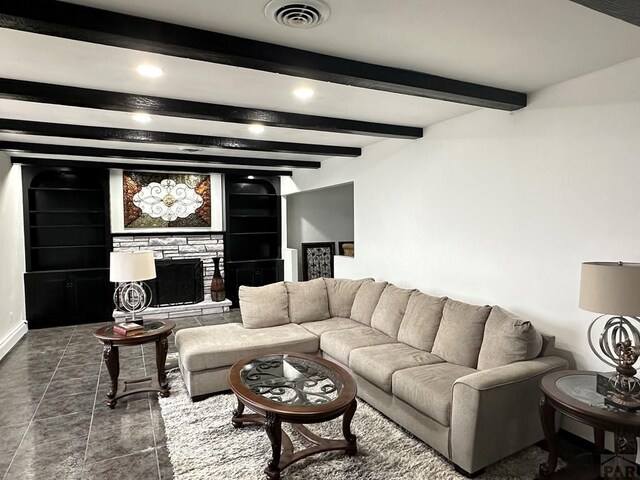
168 200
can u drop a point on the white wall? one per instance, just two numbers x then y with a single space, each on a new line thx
324 215
12 314
502 208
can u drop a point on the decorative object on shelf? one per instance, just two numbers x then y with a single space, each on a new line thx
346 249
317 260
129 270
613 289
217 283
156 200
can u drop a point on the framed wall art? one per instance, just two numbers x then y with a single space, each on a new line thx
317 260
162 201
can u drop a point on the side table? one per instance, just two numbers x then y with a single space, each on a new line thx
573 393
154 331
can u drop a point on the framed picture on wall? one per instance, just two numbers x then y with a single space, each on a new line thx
317 260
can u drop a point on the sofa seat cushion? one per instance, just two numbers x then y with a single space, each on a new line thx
428 388
336 323
265 306
342 292
388 314
339 343
378 363
215 346
308 301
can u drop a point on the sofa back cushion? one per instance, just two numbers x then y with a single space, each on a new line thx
366 300
265 306
507 339
459 337
421 321
388 314
342 292
308 301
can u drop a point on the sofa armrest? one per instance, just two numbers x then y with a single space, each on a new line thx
499 402
515 372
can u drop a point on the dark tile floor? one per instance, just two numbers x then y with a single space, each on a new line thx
54 423
53 420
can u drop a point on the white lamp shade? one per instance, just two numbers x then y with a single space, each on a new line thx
132 266
610 288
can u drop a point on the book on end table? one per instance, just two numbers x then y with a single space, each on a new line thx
128 329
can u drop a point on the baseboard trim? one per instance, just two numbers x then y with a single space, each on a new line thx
12 339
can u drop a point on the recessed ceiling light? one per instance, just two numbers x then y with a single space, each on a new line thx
303 93
148 70
251 177
141 117
256 128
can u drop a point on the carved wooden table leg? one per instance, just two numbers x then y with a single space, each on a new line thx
352 449
598 442
274 431
237 413
548 418
111 356
162 347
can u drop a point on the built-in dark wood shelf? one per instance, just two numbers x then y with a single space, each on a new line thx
253 194
57 189
255 233
253 216
66 211
68 246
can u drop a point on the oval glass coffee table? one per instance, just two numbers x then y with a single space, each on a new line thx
298 389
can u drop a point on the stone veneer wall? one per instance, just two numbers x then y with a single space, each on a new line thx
181 246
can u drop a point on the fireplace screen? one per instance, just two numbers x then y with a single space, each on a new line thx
178 282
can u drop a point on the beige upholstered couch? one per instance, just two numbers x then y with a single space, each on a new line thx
463 378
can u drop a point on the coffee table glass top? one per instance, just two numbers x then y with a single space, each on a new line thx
291 380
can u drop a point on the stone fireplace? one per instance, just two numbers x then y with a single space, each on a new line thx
179 247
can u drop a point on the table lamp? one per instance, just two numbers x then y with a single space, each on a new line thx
129 270
613 289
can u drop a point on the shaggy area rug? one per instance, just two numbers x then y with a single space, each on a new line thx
203 445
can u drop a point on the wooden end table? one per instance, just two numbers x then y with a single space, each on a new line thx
154 331
298 389
573 393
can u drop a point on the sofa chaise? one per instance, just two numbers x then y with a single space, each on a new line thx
461 377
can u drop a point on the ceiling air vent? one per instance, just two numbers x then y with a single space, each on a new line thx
308 14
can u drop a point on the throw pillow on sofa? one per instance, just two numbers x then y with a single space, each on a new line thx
421 321
308 301
342 292
366 300
266 306
388 314
459 337
507 339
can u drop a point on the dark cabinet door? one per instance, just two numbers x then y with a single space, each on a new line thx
93 296
251 274
66 298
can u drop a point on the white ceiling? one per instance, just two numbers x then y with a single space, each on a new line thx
522 45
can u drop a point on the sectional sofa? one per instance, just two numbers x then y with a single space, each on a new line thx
461 377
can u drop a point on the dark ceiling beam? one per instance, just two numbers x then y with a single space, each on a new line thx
27 127
626 10
82 151
103 27
126 102
46 162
